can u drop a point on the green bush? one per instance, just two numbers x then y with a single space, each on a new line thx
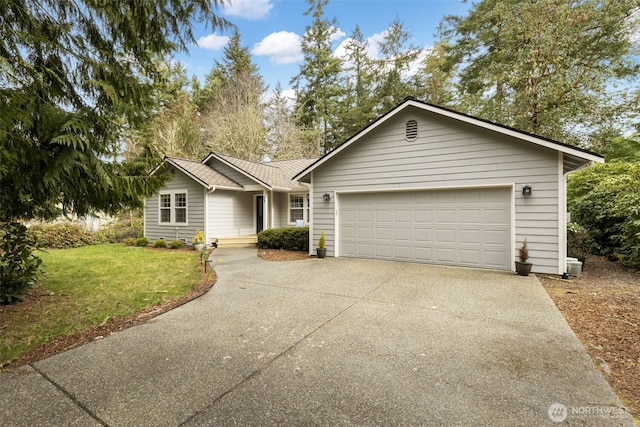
62 235
176 244
129 241
130 225
160 243
288 238
142 241
605 200
18 265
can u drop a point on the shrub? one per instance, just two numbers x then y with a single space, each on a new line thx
18 265
288 238
142 241
605 200
323 241
129 241
176 244
130 225
160 243
62 235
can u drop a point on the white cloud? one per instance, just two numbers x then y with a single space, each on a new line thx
248 9
281 47
337 34
212 42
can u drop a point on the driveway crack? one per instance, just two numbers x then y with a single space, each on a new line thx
288 349
70 396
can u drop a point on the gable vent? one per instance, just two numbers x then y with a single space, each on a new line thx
411 131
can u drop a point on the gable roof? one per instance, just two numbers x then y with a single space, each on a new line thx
201 173
274 175
573 151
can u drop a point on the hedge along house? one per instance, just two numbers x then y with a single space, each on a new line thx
427 184
230 199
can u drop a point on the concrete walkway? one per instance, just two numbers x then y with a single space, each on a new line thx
329 342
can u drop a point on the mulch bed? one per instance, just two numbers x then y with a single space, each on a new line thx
280 255
113 325
603 309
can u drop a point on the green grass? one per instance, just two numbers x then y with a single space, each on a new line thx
84 287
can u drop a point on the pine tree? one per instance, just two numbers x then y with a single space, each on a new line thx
549 67
317 84
233 118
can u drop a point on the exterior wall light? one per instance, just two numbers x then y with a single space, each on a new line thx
326 197
526 190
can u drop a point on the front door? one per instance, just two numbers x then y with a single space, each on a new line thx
259 213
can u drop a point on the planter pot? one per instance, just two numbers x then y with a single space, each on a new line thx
321 252
523 268
198 246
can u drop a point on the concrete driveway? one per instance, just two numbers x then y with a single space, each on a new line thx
329 342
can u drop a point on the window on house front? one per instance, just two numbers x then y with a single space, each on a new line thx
181 207
296 207
173 207
165 208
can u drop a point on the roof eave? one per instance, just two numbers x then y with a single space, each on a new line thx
238 169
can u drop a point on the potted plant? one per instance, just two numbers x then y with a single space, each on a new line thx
198 241
321 251
523 268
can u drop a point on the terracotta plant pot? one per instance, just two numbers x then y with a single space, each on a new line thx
523 268
321 252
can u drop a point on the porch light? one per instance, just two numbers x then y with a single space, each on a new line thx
326 197
526 190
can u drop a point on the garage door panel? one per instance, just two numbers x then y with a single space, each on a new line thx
422 235
470 237
445 216
446 255
423 254
403 235
470 216
470 257
445 236
453 227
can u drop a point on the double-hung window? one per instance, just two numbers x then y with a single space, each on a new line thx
298 208
173 207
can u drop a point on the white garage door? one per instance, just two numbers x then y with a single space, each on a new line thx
469 228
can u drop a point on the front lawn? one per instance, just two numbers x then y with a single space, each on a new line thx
84 287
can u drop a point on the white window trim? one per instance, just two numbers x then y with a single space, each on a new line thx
173 208
305 208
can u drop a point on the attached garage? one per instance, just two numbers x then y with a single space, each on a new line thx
427 184
465 227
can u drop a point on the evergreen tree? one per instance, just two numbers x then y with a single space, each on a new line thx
394 66
434 80
233 119
284 136
317 84
74 75
547 67
358 107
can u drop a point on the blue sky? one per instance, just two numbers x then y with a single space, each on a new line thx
272 30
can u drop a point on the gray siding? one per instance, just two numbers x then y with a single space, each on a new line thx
453 154
195 211
230 214
281 212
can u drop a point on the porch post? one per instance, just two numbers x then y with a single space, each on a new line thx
266 209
